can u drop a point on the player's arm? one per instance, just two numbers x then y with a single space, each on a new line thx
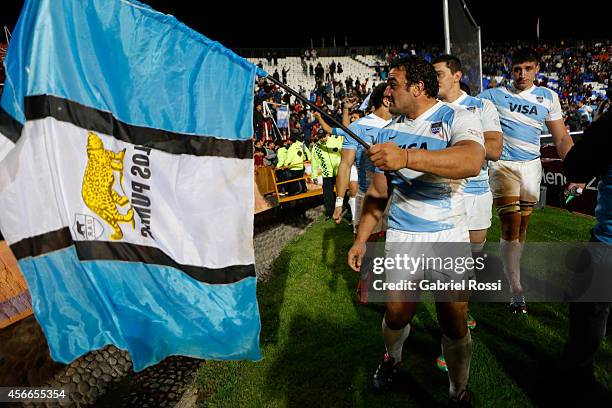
328 129
374 204
342 180
492 131
493 145
347 105
563 141
554 121
463 159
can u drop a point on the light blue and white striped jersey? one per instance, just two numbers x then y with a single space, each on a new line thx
486 112
522 115
431 203
366 128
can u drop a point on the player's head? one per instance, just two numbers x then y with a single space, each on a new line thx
321 136
378 98
525 66
355 114
448 71
410 79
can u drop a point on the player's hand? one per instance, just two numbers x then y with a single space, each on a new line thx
349 103
388 156
355 256
578 187
337 215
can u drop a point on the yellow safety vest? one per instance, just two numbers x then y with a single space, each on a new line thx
297 154
281 154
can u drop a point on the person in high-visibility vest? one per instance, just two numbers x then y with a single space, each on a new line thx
281 170
326 157
297 154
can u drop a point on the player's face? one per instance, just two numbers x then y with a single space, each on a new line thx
400 97
524 74
446 79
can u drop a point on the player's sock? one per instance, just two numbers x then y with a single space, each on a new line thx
394 340
353 206
511 258
458 354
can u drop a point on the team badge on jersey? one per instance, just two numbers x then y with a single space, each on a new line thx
436 127
471 108
540 99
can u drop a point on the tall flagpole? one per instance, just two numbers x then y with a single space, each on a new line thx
447 44
331 119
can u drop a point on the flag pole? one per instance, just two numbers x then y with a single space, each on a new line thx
331 119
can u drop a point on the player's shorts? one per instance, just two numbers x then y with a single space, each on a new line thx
382 223
516 179
354 175
433 249
478 210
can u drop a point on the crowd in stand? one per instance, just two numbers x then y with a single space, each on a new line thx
577 67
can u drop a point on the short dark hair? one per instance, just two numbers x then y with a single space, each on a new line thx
418 70
377 96
452 62
525 55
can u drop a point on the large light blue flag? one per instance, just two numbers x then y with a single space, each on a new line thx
126 186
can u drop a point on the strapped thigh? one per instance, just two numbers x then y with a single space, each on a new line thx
527 208
510 208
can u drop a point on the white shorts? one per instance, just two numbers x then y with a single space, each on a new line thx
382 224
459 234
354 175
478 210
436 247
516 179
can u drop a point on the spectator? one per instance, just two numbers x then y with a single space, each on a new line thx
270 158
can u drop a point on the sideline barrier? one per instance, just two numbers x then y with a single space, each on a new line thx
15 300
267 195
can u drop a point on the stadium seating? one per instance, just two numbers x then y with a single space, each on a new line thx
296 77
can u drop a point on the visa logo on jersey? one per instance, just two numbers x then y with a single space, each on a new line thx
525 109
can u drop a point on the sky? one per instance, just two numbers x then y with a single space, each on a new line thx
281 24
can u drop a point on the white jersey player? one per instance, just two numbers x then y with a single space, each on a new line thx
443 145
524 110
478 198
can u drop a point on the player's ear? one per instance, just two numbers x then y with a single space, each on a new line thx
417 89
458 76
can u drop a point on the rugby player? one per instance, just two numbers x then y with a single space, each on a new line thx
524 109
478 198
355 155
444 144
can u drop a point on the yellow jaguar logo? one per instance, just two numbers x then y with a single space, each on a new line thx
98 182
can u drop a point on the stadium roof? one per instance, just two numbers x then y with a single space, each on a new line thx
286 24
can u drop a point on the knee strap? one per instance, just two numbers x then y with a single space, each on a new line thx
527 208
510 208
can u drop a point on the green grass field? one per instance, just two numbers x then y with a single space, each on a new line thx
320 348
